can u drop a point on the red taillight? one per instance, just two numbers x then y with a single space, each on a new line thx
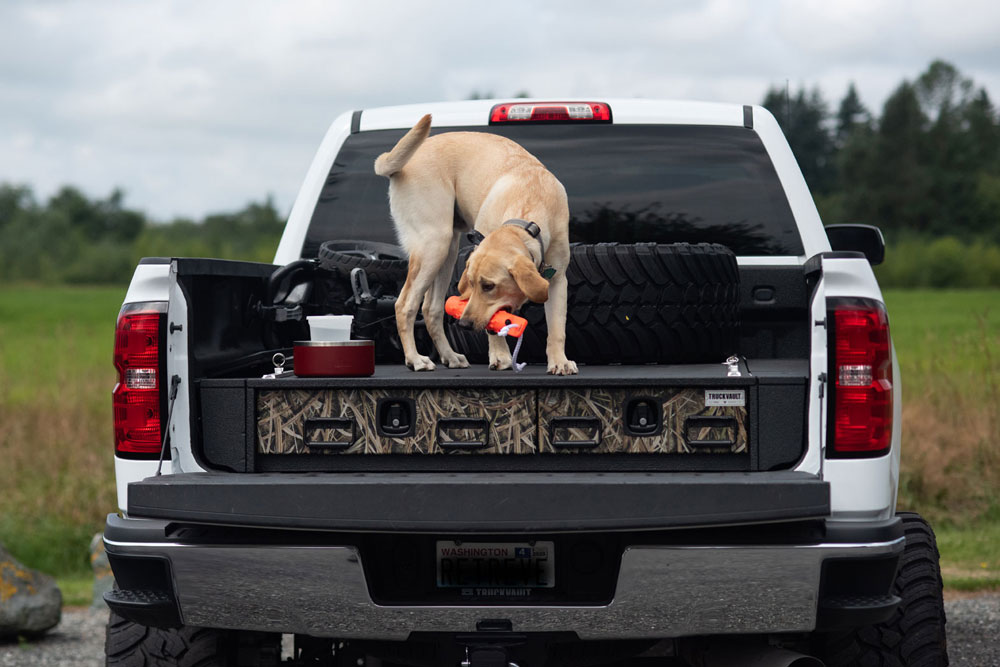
138 396
861 378
540 112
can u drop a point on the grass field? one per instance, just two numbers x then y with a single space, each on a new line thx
57 476
57 472
948 346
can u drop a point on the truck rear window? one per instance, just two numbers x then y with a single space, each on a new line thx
626 183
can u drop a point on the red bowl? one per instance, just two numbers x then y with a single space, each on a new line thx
349 358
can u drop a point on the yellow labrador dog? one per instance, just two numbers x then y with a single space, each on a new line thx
440 188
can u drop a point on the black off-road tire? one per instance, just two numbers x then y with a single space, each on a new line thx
384 266
634 304
384 263
915 635
129 644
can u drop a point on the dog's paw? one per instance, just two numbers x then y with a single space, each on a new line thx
455 360
564 367
499 354
501 364
420 363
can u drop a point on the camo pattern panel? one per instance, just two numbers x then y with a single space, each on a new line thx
503 418
571 420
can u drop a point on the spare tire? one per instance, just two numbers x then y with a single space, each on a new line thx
385 269
384 263
634 304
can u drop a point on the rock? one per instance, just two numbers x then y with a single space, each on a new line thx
30 602
104 579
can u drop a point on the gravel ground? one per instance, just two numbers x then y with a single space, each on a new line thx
974 630
78 641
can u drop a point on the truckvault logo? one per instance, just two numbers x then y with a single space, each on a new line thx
730 397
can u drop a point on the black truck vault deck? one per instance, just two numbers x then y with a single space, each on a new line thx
691 418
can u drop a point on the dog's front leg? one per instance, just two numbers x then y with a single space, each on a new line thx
500 359
555 319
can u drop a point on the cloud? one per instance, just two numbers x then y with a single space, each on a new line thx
193 107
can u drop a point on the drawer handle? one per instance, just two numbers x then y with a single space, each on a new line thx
562 438
447 424
695 423
344 431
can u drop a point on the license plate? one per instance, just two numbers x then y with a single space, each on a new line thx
495 568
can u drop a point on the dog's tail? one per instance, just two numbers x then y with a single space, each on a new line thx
389 163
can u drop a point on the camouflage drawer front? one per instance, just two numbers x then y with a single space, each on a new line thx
655 421
402 421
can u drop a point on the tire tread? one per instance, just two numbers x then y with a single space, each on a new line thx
129 644
336 257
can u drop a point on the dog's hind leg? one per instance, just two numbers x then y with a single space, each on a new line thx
434 310
423 271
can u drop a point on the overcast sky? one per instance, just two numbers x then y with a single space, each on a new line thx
194 107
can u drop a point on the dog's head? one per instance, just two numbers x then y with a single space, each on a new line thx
499 275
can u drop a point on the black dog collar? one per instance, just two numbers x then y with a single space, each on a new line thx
534 231
475 237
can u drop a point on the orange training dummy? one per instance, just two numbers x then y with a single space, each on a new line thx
501 324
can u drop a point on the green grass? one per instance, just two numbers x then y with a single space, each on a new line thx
53 340
950 336
56 377
48 543
970 554
55 425
77 590
948 347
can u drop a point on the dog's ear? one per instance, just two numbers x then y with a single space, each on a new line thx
463 282
526 275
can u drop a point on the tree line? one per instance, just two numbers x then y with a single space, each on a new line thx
929 164
926 170
71 238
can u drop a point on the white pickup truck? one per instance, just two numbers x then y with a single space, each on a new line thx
716 485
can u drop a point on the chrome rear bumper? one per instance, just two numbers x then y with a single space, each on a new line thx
662 591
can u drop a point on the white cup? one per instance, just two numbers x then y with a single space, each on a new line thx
330 328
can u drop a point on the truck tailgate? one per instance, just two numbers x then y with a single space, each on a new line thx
480 502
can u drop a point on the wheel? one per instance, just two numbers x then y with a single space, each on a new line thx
633 304
129 644
384 263
915 635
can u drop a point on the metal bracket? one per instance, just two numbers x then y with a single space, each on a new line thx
733 363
